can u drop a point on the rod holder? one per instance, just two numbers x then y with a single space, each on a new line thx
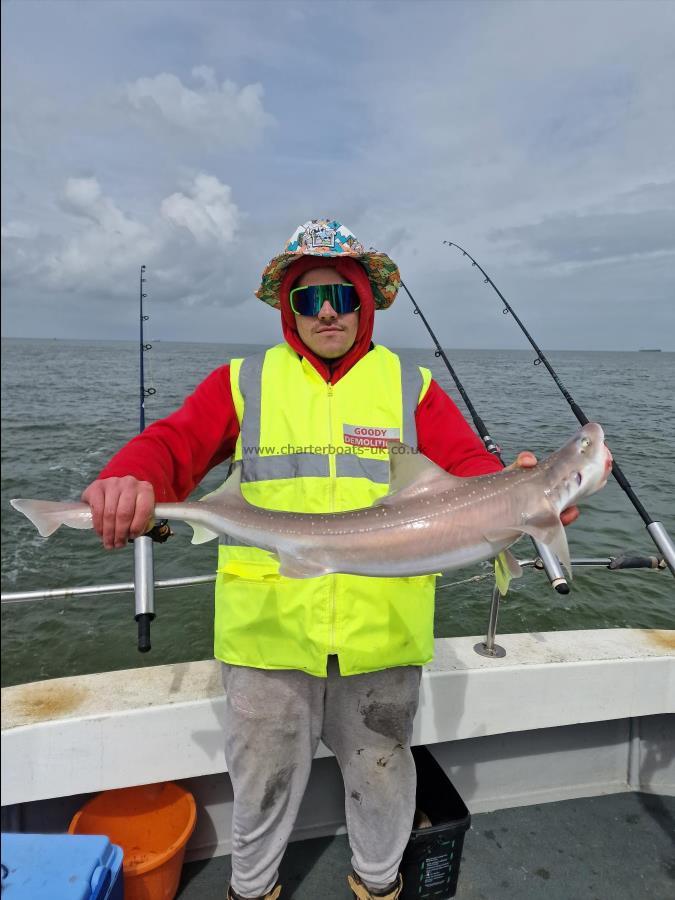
144 590
552 567
664 542
488 646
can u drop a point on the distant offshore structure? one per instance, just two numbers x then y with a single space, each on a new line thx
649 350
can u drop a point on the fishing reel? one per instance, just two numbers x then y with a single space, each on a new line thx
160 532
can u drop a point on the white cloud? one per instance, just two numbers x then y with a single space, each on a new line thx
103 243
96 249
208 213
84 198
15 229
590 238
219 114
543 145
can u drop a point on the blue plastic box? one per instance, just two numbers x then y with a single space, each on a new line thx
61 867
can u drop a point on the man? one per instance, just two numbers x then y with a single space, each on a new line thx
338 657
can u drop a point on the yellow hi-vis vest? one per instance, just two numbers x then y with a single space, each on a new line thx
309 446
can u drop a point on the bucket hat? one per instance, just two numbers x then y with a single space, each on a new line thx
326 238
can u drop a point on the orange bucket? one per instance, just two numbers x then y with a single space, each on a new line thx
152 824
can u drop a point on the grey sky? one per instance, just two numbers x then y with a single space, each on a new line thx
194 137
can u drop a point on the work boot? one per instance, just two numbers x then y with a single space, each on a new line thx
363 893
273 894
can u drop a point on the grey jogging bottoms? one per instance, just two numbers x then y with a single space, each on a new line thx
273 723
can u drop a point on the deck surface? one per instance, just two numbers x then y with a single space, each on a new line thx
616 847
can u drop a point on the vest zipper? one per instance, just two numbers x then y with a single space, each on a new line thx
331 508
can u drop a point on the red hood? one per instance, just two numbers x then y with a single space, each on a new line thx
356 274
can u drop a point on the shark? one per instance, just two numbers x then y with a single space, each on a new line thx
429 522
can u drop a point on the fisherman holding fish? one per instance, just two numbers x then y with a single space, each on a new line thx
308 425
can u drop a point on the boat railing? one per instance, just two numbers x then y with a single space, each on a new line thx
488 647
123 587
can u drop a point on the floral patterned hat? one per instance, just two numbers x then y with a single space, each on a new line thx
325 237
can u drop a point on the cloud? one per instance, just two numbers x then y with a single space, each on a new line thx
104 242
544 147
15 229
208 214
100 251
593 237
84 199
215 114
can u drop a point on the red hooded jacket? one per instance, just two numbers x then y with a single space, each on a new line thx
175 453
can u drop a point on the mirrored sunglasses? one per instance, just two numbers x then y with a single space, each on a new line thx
308 301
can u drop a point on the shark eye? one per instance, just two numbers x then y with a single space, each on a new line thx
585 443
577 477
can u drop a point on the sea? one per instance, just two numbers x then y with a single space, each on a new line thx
68 405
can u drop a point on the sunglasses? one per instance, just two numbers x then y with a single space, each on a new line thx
308 301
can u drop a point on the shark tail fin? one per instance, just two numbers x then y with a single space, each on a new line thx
49 515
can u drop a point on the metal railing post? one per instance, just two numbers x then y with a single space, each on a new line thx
488 646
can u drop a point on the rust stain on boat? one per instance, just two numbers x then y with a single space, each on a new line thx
662 638
42 702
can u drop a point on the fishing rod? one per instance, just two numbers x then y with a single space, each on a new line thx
656 530
144 578
145 392
549 560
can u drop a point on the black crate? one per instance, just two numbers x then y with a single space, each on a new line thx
430 865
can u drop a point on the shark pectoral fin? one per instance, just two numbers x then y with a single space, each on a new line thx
512 564
545 527
201 534
542 527
300 567
555 538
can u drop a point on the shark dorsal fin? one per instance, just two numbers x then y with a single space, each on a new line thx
411 473
229 489
228 493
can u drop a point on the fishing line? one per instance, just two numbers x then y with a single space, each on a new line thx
656 530
473 580
548 558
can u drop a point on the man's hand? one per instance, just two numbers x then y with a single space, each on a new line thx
527 460
121 508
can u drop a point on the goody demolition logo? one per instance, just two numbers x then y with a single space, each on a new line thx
367 436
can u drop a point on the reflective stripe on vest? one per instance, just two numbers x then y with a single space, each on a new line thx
256 467
285 465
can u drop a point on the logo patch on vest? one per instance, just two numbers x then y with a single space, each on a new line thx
367 436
